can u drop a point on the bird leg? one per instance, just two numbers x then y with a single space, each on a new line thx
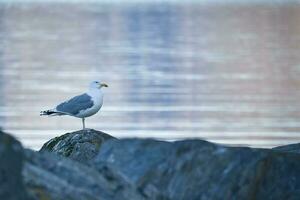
83 124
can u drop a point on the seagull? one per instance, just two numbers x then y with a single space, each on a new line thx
81 106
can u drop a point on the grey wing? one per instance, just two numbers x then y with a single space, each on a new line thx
76 104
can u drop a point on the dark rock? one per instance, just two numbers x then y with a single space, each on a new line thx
11 162
52 177
279 177
80 145
293 148
100 167
195 169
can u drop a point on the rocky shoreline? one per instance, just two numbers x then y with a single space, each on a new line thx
92 165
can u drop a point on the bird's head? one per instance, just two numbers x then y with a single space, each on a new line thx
97 84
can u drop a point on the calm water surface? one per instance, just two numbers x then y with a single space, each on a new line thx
229 74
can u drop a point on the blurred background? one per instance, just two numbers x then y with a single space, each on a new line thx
225 71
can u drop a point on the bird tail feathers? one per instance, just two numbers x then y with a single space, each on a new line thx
51 113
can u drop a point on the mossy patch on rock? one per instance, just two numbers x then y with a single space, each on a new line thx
80 145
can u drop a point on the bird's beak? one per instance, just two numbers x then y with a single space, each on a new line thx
103 85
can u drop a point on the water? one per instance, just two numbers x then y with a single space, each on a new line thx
225 73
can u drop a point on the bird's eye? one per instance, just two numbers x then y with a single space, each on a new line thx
96 82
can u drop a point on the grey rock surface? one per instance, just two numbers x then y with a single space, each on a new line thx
52 177
11 164
91 165
194 169
292 148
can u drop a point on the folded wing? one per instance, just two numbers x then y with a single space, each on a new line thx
75 105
